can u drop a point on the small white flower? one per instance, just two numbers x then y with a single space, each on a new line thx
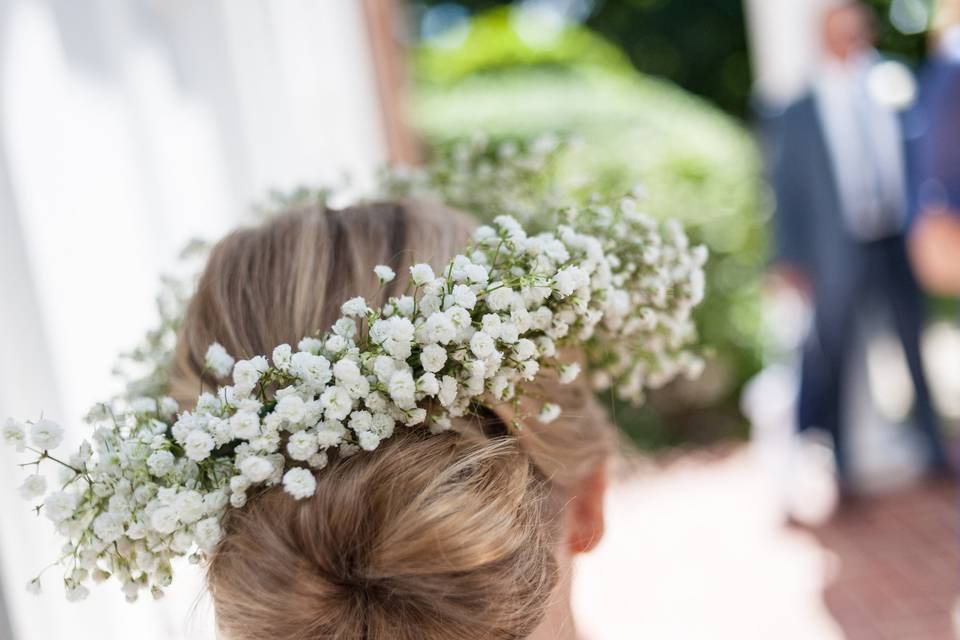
256 469
354 307
246 373
549 412
361 421
500 298
76 593
476 273
107 527
345 328
281 356
34 486
482 345
208 533
164 520
330 433
302 445
198 446
422 274
336 402
290 408
346 371
439 328
245 425
464 296
405 305
448 391
384 273
310 345
299 483
415 417
525 349
60 505
160 463
46 434
14 434
569 372
218 360
335 344
312 369
402 389
428 384
189 506
34 586
433 357
368 440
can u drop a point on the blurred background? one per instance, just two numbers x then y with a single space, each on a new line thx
128 127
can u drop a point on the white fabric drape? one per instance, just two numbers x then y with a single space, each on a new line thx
128 127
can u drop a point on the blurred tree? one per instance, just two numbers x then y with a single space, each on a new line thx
702 44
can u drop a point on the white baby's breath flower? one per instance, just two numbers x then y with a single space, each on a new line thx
354 307
569 372
218 360
34 486
60 505
108 527
245 425
281 356
336 403
482 345
421 274
402 389
368 440
164 520
299 483
302 445
464 296
14 434
256 469
34 587
208 533
548 413
448 391
46 434
189 506
290 408
198 446
246 373
160 463
384 273
433 357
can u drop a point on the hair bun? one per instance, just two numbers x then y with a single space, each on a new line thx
437 537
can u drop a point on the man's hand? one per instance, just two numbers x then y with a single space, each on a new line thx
789 276
934 246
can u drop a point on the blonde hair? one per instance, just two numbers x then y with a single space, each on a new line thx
428 537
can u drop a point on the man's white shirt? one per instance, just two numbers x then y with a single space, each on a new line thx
865 145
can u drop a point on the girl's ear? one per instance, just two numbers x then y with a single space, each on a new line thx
585 524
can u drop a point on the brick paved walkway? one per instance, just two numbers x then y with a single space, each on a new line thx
895 573
698 550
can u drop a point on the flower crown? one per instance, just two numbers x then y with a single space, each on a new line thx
153 483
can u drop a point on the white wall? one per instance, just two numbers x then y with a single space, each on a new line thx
126 128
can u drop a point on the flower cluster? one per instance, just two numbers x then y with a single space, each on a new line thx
152 483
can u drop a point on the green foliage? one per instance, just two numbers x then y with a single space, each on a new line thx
699 44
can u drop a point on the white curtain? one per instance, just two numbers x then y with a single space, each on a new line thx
128 127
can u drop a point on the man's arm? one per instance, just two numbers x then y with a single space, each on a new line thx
935 251
791 258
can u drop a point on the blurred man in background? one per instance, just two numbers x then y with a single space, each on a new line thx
935 233
840 181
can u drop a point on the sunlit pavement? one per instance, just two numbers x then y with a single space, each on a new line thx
698 548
